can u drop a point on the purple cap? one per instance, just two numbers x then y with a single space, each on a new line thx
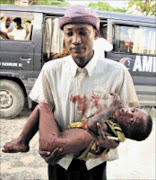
80 14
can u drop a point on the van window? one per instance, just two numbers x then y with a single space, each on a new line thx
134 39
103 29
53 40
16 25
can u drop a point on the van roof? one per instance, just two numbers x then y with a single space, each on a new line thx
52 10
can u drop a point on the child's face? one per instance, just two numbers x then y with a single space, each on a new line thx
130 116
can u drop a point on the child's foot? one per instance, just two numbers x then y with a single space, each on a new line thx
15 146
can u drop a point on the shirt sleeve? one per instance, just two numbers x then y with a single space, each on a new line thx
127 92
41 91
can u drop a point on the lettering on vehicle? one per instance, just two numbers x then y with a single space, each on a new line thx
145 64
140 64
6 64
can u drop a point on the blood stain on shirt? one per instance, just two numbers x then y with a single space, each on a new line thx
81 102
95 100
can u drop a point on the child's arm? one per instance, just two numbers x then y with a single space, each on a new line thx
98 129
103 115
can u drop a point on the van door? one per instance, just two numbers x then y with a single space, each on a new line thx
134 46
17 55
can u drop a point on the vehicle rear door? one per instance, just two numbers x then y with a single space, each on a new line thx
134 46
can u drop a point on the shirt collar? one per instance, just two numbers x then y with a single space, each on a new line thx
72 66
89 67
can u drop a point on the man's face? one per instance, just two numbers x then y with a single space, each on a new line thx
8 22
130 117
79 42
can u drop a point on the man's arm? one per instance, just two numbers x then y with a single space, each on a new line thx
102 139
73 140
4 34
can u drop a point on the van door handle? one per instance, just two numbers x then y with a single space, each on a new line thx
25 58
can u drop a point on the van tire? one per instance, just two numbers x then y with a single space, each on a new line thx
11 99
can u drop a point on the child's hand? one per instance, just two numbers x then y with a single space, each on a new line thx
102 140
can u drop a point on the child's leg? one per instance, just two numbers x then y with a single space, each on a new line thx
21 144
71 140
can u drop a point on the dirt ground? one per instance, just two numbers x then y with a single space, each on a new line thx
137 159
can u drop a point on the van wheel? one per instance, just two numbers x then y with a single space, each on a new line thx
11 99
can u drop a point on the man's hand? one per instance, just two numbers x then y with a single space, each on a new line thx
101 138
52 157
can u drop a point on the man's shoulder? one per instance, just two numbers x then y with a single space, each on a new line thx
57 63
111 63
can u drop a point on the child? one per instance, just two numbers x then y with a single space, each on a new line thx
135 123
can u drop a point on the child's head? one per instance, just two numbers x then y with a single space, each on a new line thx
135 123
